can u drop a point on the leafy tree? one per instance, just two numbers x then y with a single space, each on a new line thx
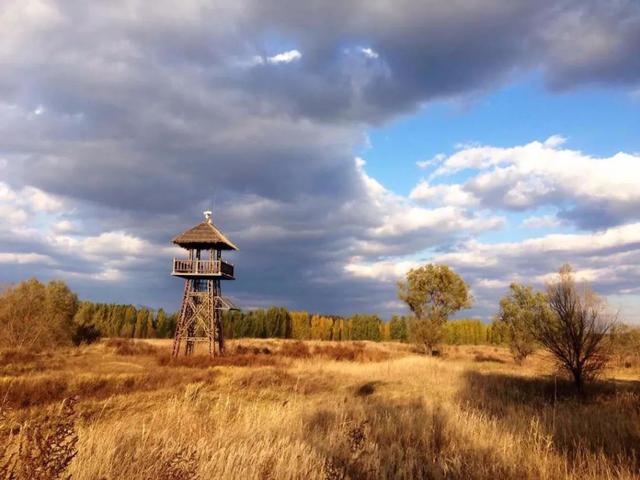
150 329
321 327
172 321
277 323
517 311
257 318
432 292
242 325
162 324
465 332
300 325
127 329
573 327
398 329
365 327
35 316
497 333
60 307
85 329
337 331
140 329
84 315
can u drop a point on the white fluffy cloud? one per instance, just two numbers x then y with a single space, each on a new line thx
445 194
284 57
37 226
589 191
22 258
20 207
369 52
402 226
609 259
543 221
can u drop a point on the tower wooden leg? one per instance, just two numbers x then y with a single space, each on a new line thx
182 319
200 314
220 332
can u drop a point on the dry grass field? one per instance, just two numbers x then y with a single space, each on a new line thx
284 409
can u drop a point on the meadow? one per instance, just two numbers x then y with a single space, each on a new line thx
284 409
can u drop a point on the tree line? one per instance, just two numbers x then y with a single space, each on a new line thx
129 321
39 315
569 320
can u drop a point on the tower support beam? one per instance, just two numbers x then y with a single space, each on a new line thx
200 318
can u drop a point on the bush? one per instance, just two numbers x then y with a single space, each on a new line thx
295 349
517 311
85 334
35 316
122 346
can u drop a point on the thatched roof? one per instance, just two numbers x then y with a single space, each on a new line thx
204 235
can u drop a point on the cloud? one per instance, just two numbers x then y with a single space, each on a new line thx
591 192
121 124
432 161
402 226
369 52
445 194
284 57
544 221
21 259
608 259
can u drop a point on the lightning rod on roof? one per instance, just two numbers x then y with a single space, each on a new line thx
207 215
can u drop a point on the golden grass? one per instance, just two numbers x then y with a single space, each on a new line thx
314 410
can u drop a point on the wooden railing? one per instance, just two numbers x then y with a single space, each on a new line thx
202 267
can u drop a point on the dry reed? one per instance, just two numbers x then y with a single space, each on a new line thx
309 411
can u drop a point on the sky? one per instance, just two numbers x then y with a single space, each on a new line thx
339 144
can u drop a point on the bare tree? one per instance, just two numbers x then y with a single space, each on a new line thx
574 328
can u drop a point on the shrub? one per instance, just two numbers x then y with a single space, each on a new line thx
351 352
295 349
517 311
35 316
85 334
206 361
122 346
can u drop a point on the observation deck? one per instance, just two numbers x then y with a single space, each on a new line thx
202 269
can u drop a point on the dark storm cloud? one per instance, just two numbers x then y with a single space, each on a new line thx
598 214
594 42
142 115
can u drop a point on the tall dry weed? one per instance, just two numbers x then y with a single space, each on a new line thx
181 465
44 447
130 347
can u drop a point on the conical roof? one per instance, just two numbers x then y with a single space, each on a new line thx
204 235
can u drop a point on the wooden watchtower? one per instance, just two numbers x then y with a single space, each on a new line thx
200 317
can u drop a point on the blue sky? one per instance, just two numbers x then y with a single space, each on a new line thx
302 125
599 121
